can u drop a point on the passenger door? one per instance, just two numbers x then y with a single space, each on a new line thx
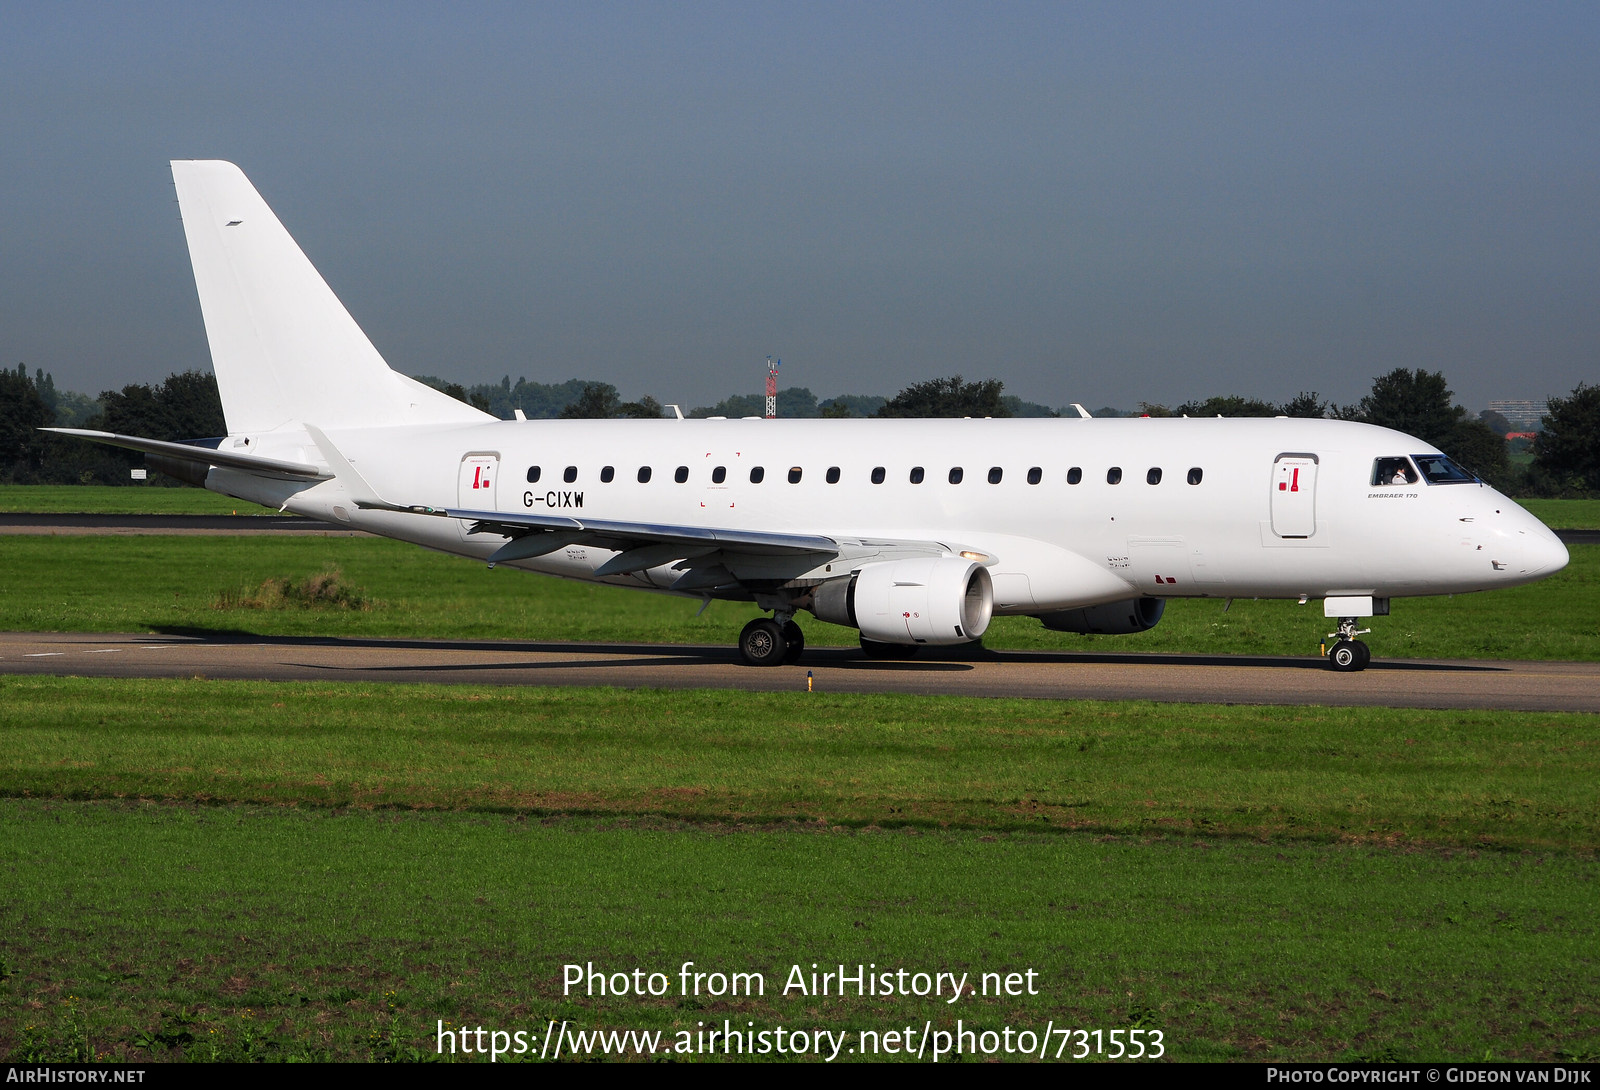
476 489
1294 495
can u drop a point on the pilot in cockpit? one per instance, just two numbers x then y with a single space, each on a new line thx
1393 471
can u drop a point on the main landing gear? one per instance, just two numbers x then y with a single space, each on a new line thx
1348 654
768 641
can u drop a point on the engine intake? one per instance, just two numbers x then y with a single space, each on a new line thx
935 601
1111 619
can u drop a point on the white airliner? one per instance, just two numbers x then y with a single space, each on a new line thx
913 531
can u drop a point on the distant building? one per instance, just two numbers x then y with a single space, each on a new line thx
1521 415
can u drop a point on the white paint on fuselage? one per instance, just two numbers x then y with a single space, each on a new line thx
1053 544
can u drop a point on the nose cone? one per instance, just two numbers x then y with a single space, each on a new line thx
1530 549
1542 552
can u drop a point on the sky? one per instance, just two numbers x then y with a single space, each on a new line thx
1101 203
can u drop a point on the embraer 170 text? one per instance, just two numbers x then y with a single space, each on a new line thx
914 532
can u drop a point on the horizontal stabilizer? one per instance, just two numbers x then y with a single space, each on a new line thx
208 456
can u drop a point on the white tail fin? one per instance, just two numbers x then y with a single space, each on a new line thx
284 348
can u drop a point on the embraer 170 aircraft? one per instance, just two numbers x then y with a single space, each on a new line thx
915 532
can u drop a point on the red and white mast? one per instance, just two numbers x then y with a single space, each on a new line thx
772 388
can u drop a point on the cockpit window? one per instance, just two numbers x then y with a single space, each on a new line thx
1438 469
1393 471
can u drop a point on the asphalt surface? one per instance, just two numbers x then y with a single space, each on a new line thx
1521 686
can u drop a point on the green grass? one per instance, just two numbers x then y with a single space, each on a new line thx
138 932
366 861
1461 779
152 498
58 583
1566 514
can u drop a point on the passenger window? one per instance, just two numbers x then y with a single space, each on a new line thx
757 474
1035 475
681 475
533 474
1196 475
833 474
644 474
877 474
570 475
1114 475
719 474
1154 476
916 474
1074 475
955 474
794 474
608 474
995 472
1393 471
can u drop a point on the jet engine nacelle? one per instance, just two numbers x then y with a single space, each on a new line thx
1111 619
934 600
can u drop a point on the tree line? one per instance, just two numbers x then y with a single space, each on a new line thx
1565 455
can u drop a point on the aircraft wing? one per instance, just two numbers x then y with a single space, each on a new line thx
628 534
202 455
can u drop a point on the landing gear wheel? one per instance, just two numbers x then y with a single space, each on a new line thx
1348 656
762 643
796 640
889 652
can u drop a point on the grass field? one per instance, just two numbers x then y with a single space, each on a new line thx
152 498
59 583
367 861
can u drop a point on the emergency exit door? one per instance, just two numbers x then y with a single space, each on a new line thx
1294 495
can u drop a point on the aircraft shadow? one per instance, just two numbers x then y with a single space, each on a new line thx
934 659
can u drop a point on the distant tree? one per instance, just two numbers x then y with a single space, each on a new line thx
836 410
1227 406
183 406
855 404
74 410
1305 406
1147 408
794 403
1566 455
1500 424
1415 402
1481 449
733 407
646 408
1017 407
22 413
599 401
947 397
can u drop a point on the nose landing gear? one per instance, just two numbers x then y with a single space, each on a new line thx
1348 654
